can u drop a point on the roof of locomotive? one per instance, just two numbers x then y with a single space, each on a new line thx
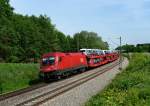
53 54
60 54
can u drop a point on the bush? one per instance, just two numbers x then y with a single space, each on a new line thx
13 59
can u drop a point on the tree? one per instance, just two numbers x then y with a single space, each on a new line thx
26 38
86 39
132 48
5 9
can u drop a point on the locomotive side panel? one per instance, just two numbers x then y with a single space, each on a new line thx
62 63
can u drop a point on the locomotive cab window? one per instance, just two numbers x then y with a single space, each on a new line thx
48 61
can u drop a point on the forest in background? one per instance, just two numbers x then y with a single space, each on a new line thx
135 48
26 38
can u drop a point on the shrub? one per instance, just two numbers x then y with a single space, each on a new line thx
13 59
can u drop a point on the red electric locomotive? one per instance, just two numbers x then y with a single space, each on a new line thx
60 64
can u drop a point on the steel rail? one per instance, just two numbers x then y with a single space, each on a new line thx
21 91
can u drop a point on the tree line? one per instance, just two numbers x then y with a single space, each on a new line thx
135 48
26 38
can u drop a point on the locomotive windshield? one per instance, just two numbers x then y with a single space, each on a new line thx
48 61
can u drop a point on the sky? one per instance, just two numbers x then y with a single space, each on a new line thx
111 19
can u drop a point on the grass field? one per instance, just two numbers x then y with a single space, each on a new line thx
14 76
129 88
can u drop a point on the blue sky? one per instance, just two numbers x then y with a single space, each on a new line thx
109 18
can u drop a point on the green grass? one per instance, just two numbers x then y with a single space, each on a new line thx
127 55
129 88
14 76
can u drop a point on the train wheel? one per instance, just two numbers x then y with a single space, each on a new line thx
82 69
59 77
67 74
45 77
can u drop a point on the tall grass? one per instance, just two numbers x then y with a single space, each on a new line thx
129 88
127 55
14 76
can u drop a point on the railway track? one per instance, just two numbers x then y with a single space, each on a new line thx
37 100
21 91
62 89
